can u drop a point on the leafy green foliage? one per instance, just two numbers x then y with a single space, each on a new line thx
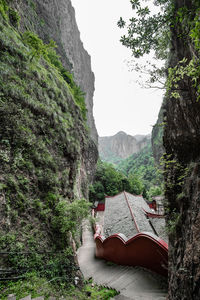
154 191
147 31
195 30
95 292
38 49
137 174
68 215
14 17
173 222
182 70
181 169
78 94
108 181
4 9
187 22
142 166
9 14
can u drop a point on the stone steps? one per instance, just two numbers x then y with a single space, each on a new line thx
132 282
140 297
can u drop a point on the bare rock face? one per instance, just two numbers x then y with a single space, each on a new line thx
121 145
182 170
55 19
157 136
63 15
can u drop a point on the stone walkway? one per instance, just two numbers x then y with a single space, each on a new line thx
132 283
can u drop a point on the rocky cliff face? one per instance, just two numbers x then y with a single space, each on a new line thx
55 19
120 146
182 168
47 157
157 137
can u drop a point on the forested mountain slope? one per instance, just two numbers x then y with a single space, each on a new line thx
143 166
138 174
109 181
115 148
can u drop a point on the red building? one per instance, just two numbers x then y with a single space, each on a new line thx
130 237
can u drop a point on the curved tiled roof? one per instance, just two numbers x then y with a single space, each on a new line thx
124 213
129 235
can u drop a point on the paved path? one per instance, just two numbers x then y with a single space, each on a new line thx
132 283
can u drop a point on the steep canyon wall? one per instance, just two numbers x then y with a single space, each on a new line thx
47 153
55 19
182 167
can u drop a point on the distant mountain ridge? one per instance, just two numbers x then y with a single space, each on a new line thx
115 148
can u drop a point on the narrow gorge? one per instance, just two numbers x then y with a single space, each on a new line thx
50 172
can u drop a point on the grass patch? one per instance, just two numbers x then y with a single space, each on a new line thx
36 287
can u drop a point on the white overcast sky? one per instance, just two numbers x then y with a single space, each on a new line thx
120 104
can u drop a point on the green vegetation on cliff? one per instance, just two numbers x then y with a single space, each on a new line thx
43 140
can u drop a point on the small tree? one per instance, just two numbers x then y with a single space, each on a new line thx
37 47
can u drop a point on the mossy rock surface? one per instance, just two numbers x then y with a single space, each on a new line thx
43 144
